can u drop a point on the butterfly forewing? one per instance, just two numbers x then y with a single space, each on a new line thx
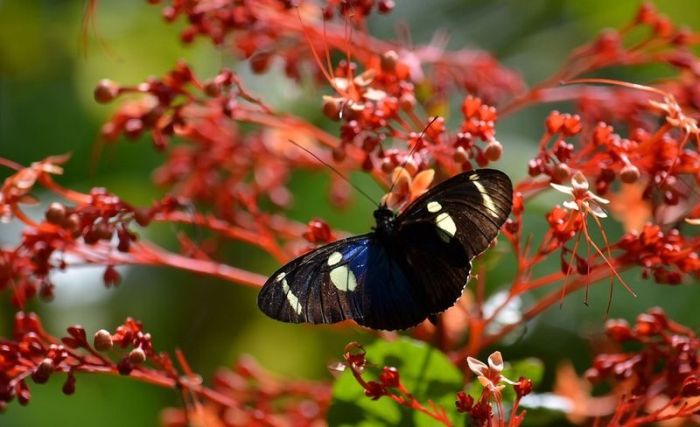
448 226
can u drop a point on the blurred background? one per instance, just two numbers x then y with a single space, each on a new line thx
46 107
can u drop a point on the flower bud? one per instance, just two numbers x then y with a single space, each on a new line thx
212 88
493 150
389 377
137 356
69 386
102 340
561 172
375 390
618 329
629 174
142 216
386 6
56 213
464 402
106 91
523 387
124 367
43 371
332 106
388 61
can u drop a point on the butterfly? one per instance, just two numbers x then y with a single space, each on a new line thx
410 267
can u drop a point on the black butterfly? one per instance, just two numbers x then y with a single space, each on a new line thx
410 267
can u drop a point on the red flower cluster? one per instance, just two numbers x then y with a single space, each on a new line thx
249 395
34 354
665 256
658 382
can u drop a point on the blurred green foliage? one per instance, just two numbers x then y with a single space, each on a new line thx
424 371
46 107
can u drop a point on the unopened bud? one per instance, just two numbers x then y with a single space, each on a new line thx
106 91
629 174
332 107
388 61
43 371
137 356
56 213
102 340
493 150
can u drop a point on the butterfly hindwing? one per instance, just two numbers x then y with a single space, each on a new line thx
448 226
355 278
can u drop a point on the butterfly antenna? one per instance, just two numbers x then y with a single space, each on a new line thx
413 149
336 171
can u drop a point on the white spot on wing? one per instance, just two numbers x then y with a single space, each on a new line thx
343 278
445 223
335 258
488 201
434 207
291 298
280 276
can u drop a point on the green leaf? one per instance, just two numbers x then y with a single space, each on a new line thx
529 368
425 372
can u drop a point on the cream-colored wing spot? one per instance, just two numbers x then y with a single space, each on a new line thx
343 278
335 258
488 201
292 299
434 207
446 225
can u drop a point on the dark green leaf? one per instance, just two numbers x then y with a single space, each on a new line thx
425 372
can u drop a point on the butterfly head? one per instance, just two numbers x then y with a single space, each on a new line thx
386 221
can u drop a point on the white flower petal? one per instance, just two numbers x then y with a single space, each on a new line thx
496 361
562 188
570 204
598 199
597 210
477 366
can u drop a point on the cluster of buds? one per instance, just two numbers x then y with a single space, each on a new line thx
212 164
369 104
659 381
100 218
155 113
36 355
666 256
479 124
356 10
553 161
253 396
95 217
280 29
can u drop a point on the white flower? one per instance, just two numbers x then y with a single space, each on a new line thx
583 198
489 375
